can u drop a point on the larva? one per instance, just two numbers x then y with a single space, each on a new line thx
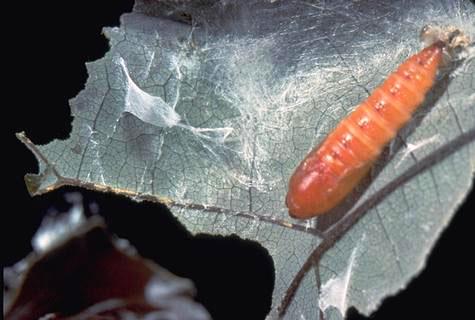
332 170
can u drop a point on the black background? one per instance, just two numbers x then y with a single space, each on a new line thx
48 45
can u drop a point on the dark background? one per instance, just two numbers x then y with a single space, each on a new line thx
49 44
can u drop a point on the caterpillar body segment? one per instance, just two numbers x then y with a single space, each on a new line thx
332 170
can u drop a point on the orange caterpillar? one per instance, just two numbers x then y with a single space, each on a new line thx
337 165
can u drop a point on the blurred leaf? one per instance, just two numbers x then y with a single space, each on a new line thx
209 106
78 271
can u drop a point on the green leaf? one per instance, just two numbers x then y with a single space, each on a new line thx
209 107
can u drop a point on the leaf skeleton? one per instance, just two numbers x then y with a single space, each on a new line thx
336 166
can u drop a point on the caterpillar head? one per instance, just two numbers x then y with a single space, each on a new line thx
457 44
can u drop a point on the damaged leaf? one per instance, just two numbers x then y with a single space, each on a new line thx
209 106
78 271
